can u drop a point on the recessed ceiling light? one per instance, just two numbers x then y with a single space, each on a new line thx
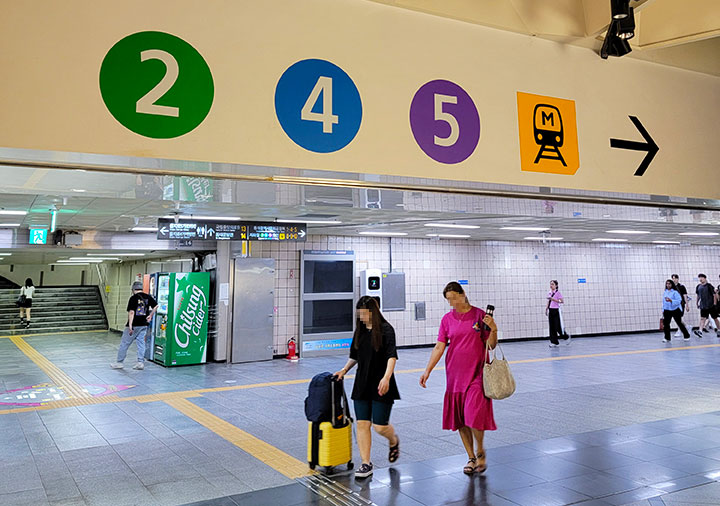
666 242
383 234
12 213
608 239
628 232
144 229
193 217
449 236
9 225
311 222
543 238
450 225
699 234
527 229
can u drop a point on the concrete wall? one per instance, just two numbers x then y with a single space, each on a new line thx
58 275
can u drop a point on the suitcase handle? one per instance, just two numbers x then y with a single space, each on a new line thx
346 411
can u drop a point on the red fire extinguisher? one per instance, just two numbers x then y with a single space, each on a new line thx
292 356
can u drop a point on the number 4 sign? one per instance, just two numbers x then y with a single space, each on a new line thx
318 106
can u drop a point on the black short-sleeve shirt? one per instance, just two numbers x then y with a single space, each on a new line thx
706 295
143 305
682 291
371 366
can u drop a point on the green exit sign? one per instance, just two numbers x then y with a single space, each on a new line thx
38 236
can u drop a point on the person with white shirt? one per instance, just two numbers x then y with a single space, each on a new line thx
25 301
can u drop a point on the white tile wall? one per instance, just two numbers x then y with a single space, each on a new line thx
623 290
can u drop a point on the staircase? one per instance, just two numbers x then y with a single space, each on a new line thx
64 309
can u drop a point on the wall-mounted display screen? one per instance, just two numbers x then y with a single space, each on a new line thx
323 276
324 316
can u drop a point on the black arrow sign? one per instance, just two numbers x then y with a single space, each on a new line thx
648 146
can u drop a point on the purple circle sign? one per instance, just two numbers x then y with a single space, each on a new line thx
444 121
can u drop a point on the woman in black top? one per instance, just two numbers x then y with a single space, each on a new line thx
375 390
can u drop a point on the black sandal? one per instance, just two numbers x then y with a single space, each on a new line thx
394 452
470 467
481 468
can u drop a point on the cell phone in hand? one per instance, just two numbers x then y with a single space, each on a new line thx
490 310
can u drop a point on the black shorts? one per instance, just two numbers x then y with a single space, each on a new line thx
26 304
712 312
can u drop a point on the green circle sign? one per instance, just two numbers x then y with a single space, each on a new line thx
156 85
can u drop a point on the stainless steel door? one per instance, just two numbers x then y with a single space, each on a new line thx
253 309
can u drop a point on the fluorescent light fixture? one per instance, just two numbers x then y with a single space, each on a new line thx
9 225
60 262
527 229
628 232
449 236
311 222
450 225
5 254
383 234
144 229
699 234
78 190
193 217
78 262
182 260
101 258
608 239
666 242
543 238
12 213
53 220
116 254
74 260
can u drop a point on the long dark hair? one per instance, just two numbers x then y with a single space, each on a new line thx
673 286
377 319
28 282
454 286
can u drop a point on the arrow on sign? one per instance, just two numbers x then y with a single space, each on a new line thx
164 231
302 233
649 146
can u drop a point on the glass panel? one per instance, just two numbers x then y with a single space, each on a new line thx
328 316
326 276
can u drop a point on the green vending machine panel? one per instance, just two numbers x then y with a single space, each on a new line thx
181 336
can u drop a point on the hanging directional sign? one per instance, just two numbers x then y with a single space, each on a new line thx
186 230
649 146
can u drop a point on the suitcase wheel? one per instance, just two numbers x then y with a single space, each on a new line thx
312 466
350 465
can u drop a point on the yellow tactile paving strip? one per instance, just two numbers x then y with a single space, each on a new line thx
69 386
266 453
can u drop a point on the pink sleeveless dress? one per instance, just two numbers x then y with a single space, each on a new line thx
465 402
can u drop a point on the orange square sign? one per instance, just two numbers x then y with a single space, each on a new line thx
548 134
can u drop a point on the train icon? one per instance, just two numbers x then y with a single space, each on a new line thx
548 132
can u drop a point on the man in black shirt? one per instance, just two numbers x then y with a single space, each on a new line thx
682 291
141 308
706 302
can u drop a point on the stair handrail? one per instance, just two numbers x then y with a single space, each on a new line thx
103 283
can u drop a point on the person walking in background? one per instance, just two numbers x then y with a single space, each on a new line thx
684 306
375 391
672 304
552 311
707 303
25 303
465 407
141 308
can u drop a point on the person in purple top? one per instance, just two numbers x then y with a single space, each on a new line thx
552 311
465 408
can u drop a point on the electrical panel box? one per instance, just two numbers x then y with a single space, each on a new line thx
393 291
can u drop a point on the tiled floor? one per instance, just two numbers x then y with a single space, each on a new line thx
636 428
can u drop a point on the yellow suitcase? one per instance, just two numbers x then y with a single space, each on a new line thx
330 443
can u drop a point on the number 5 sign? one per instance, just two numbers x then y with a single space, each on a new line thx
444 121
318 106
156 85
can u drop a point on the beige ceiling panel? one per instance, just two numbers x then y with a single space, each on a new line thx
673 22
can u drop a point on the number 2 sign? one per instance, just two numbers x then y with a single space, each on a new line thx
444 121
156 85
318 106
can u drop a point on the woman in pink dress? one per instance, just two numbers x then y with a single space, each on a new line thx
466 409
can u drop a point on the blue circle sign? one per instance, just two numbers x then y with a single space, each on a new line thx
318 106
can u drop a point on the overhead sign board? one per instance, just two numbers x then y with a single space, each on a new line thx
187 230
161 85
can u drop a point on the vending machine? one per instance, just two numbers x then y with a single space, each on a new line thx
181 323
